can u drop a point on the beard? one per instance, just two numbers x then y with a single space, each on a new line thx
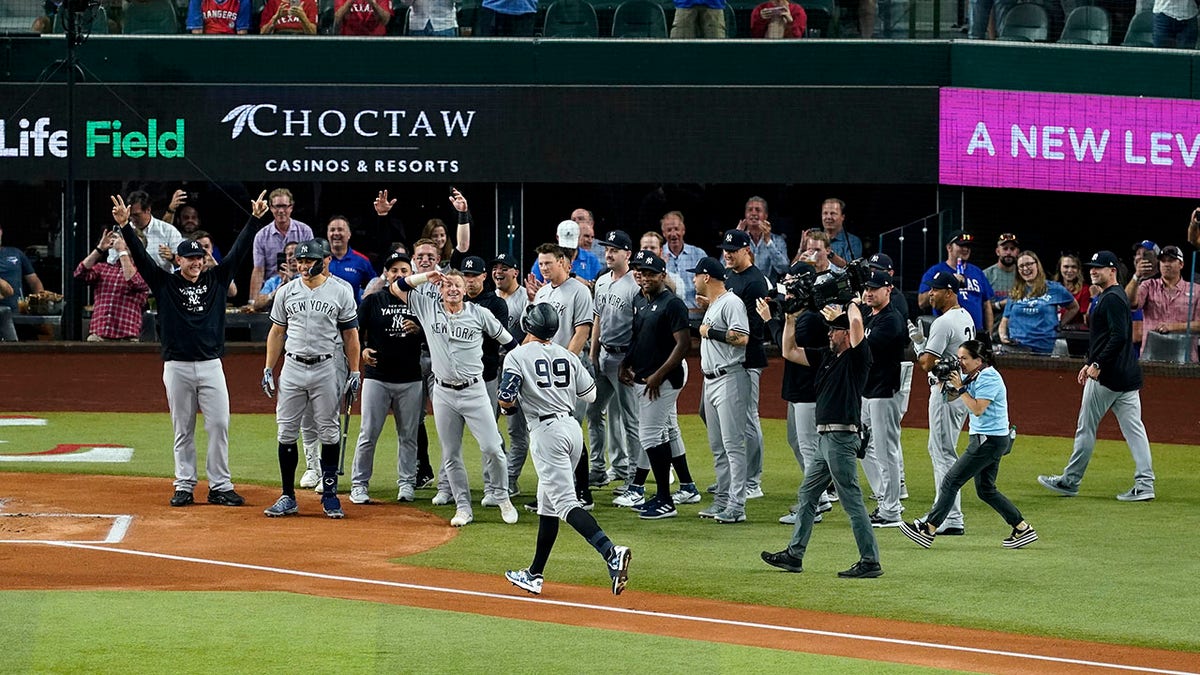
1008 260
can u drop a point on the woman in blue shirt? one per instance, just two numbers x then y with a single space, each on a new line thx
981 388
1031 317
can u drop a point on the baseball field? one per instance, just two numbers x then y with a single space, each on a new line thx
101 575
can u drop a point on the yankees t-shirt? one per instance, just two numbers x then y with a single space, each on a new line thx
381 322
655 322
887 338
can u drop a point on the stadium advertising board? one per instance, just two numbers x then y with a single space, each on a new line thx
473 133
1070 142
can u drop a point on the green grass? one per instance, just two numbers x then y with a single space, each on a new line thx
71 632
1098 559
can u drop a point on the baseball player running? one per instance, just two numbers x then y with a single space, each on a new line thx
454 331
724 333
547 380
654 367
391 378
952 327
310 312
191 306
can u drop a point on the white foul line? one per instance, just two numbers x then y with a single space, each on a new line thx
623 610
116 532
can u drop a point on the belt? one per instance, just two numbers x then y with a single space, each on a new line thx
309 360
828 428
458 386
554 416
714 374
615 350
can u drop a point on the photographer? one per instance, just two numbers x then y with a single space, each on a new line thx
841 376
985 396
950 329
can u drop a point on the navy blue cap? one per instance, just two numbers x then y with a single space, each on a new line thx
841 321
473 265
711 267
190 249
395 257
944 280
313 249
645 260
881 261
734 240
879 279
1102 259
506 260
617 239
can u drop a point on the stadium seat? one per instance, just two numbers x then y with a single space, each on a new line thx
1025 22
822 17
1141 31
1087 25
639 19
571 19
94 21
1174 347
730 22
156 17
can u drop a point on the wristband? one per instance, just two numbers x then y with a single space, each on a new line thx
464 217
123 254
717 335
1095 365
100 252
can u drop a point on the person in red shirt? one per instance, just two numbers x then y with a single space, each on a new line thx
120 291
778 19
361 17
290 17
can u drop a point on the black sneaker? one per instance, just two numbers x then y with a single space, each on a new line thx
225 498
862 569
182 498
531 507
952 531
784 561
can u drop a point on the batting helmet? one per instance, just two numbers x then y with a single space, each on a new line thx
540 320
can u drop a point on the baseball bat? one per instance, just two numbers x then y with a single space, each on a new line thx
345 432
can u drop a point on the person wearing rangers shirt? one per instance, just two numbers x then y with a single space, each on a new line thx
361 17
289 16
219 17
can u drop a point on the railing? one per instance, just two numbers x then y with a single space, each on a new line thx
905 253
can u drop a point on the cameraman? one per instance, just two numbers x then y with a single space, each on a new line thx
952 327
887 337
841 375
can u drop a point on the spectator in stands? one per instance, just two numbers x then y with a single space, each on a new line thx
8 332
1164 301
1175 24
986 16
654 242
814 250
1146 251
219 17
361 17
584 266
1032 314
1193 233
974 292
698 19
284 273
346 263
1003 274
843 246
432 18
587 232
45 23
770 250
290 17
210 256
17 272
508 18
160 238
680 257
189 220
448 252
120 291
270 240
1070 276
775 19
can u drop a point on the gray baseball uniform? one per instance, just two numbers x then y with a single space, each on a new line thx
458 393
726 388
518 431
948 332
308 425
312 369
613 308
573 301
552 380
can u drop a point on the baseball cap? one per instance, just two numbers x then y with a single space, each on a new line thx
800 267
1008 238
880 261
1146 244
645 260
617 239
1171 252
190 249
734 240
960 237
395 257
506 260
841 321
879 279
568 234
944 280
711 267
310 250
473 265
1102 259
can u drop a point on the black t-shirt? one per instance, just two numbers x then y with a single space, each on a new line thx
380 321
750 285
840 383
1110 341
192 315
655 323
887 337
491 349
799 385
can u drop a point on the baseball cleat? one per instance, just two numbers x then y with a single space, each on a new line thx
489 500
508 512
225 498
1055 484
634 496
310 479
730 516
1136 494
658 510
182 498
462 518
442 499
284 506
332 506
686 494
618 568
525 581
405 493
754 492
358 495
712 511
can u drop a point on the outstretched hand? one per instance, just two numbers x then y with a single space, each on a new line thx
259 206
382 204
458 200
120 212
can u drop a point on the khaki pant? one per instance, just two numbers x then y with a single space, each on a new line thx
698 22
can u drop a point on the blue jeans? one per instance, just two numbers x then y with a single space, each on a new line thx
428 31
1169 32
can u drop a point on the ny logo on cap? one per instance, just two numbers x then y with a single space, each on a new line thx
729 237
611 235
1095 256
470 264
641 255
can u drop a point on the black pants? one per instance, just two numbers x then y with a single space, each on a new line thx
980 461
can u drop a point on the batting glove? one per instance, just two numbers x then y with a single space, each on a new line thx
353 384
915 334
268 383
